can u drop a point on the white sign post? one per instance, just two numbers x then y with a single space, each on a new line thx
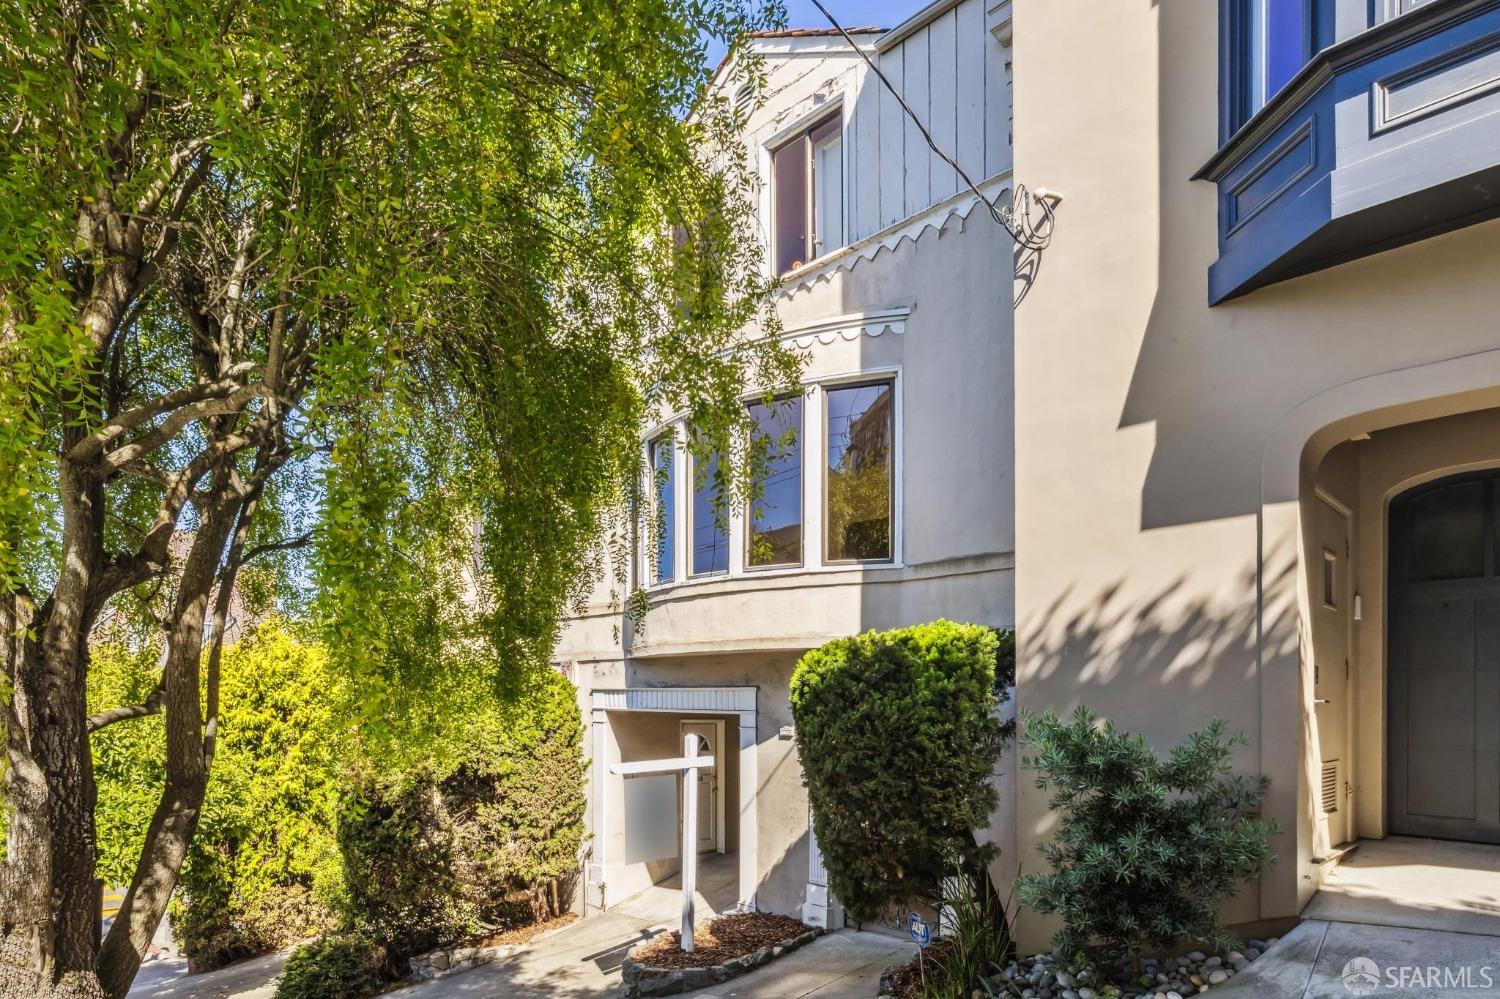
687 765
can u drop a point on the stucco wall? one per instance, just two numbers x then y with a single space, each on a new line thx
955 463
1160 444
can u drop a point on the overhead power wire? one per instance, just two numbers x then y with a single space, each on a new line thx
1017 224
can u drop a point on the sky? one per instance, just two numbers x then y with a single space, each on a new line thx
850 13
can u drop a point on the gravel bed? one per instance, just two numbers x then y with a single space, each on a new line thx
1176 977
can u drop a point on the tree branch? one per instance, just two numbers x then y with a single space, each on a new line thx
286 544
201 410
132 418
151 706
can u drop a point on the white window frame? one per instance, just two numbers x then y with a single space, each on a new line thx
866 376
802 124
814 490
742 539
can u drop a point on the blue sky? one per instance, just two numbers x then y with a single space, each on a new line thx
851 13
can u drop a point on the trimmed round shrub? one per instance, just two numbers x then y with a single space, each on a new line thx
899 736
346 966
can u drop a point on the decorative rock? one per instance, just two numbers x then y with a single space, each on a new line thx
1219 977
1087 993
1196 955
1213 962
1064 979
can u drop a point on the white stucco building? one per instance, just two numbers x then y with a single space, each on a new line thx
895 505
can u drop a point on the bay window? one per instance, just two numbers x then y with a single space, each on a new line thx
710 538
1267 42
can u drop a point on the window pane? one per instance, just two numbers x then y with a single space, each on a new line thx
776 515
666 508
828 188
1447 533
710 540
789 199
860 432
1286 42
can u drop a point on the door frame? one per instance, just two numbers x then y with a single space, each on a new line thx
718 785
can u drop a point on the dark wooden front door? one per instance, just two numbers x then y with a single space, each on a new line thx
1443 660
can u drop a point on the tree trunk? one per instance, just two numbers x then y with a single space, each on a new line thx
176 818
42 954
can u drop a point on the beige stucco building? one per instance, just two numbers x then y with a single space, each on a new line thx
893 508
1257 425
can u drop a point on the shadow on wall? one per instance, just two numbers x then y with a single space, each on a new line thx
1103 643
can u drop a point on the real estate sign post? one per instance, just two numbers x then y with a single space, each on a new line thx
687 765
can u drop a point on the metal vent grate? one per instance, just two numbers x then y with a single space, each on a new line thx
1330 787
744 98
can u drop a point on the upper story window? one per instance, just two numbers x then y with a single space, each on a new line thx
775 517
710 539
1266 43
860 493
664 496
807 195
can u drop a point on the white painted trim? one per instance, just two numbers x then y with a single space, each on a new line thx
851 326
684 700
913 24
689 700
913 227
749 828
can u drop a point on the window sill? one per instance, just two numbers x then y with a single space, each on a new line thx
771 573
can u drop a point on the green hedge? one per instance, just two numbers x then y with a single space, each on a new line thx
487 839
899 736
262 871
347 966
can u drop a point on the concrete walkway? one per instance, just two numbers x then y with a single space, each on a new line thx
168 979
583 962
1424 884
1399 917
1323 960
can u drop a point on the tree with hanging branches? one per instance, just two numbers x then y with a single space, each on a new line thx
369 298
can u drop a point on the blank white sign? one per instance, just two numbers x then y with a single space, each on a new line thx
651 825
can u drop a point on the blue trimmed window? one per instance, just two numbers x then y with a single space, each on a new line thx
1266 43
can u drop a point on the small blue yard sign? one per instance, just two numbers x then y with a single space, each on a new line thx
920 932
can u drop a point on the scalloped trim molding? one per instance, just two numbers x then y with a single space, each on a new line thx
872 323
959 206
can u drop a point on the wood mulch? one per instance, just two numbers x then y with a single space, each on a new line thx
522 934
912 979
720 940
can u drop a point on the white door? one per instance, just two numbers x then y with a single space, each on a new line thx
710 800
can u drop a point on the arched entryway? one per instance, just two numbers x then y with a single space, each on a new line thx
1443 659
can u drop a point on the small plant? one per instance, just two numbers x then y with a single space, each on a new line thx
347 966
1146 848
899 735
979 942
